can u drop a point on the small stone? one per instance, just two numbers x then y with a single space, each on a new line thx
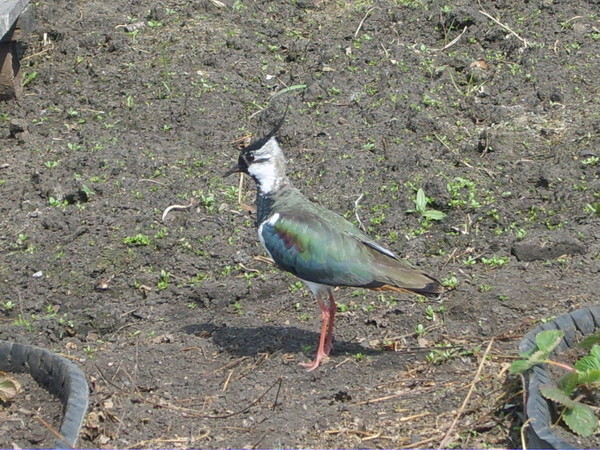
16 126
546 247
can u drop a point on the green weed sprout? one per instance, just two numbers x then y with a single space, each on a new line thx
421 202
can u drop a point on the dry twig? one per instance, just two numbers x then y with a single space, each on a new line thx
454 41
362 22
444 443
506 27
168 209
52 430
523 428
217 3
356 202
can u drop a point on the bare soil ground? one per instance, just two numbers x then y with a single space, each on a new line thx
188 337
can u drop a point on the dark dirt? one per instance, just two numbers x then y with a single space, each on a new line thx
186 338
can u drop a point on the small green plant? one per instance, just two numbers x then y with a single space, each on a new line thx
22 321
57 203
231 193
577 384
129 102
296 286
248 277
163 280
64 321
137 240
342 307
359 356
445 351
369 146
463 193
591 161
90 351
593 208
520 233
450 282
8 305
421 201
208 201
303 317
87 190
485 288
470 260
496 261
29 77
238 308
198 278
430 313
51 164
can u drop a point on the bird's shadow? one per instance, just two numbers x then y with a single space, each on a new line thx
250 341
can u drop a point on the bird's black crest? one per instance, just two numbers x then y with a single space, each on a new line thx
260 142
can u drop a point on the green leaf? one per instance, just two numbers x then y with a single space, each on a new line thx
433 214
548 340
590 378
528 353
590 340
538 357
520 366
555 394
581 420
569 382
288 89
595 352
421 201
588 363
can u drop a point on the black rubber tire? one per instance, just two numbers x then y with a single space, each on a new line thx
57 375
540 433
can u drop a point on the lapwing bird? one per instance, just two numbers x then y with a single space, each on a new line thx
319 246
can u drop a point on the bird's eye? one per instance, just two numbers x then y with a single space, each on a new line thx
250 157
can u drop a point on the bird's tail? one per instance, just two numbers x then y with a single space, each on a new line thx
394 275
433 288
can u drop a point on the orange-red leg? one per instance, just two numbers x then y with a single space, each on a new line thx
326 339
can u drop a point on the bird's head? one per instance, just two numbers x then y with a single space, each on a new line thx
263 160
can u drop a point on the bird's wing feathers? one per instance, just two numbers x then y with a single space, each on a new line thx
324 248
306 247
374 245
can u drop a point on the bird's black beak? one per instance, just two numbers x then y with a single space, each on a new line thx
234 169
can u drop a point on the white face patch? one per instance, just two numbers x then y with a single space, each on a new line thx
265 174
268 168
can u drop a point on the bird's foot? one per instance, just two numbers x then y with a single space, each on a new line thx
315 363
